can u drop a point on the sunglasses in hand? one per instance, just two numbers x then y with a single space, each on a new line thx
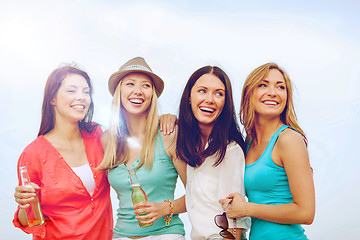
222 222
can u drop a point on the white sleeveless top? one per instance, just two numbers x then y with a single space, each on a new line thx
86 176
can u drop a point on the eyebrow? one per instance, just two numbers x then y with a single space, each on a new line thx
267 81
74 86
218 89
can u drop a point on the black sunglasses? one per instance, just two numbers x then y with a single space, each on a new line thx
222 222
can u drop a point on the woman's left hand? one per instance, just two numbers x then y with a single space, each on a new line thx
238 206
167 123
154 210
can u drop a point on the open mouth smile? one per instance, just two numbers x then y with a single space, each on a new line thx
136 101
207 109
270 102
78 107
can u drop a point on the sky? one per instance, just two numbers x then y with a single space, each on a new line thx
317 43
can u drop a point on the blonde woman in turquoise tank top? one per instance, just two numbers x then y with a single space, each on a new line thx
278 177
134 142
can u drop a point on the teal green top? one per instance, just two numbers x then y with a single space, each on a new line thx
158 183
267 183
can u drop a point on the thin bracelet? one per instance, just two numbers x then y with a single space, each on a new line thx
168 218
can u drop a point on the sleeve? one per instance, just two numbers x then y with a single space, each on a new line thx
30 159
231 179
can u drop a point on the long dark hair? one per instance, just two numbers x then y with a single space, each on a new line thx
225 129
52 86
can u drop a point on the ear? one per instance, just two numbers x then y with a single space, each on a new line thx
53 102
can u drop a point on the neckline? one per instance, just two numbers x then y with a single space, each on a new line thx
59 154
268 145
138 157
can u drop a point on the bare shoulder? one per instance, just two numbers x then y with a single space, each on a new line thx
291 147
290 138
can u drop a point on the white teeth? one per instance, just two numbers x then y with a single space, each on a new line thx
78 106
136 101
270 102
207 109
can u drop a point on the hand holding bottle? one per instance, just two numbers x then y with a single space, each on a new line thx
24 195
154 211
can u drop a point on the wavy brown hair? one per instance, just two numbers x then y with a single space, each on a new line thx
247 112
52 86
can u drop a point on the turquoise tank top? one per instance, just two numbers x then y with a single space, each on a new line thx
158 183
267 183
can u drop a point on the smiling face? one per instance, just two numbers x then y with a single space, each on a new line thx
207 99
72 100
136 93
270 95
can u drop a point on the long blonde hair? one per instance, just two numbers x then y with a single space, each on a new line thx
117 151
247 112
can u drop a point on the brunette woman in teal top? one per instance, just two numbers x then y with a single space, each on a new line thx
278 176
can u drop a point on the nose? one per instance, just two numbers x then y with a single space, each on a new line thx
271 91
137 89
80 96
209 98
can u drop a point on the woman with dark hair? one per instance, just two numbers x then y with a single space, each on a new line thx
278 176
74 196
210 142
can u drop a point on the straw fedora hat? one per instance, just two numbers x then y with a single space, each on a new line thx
135 65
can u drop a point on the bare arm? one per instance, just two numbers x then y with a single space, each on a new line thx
24 196
292 153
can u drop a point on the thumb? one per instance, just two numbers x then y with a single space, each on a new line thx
231 195
35 186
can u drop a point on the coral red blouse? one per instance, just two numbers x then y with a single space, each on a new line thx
70 212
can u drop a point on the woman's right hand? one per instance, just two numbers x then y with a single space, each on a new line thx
167 123
25 195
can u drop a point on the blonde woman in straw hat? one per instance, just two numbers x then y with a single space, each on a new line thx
134 142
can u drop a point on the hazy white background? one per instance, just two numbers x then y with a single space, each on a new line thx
317 42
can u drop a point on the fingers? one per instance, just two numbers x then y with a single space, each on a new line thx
167 123
223 203
233 195
24 195
148 212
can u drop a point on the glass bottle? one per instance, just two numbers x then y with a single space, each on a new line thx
33 213
138 195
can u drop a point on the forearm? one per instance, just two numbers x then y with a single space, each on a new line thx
290 213
178 206
22 217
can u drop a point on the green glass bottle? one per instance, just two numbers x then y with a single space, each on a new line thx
138 195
